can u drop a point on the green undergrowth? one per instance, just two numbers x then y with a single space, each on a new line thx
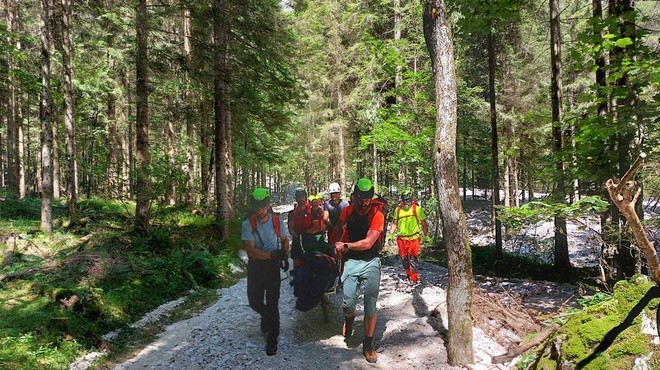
585 327
60 293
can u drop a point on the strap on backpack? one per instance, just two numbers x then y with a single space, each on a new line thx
276 226
414 209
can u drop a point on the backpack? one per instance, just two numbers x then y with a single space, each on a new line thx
301 221
377 203
276 226
414 209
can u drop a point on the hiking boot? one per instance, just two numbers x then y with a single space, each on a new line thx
368 350
271 348
264 328
370 356
347 328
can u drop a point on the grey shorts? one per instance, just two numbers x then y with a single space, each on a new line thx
361 273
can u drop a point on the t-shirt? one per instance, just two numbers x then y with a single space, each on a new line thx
334 211
267 232
377 222
358 231
407 225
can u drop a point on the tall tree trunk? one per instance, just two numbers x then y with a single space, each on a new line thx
127 143
188 101
495 158
342 158
46 128
69 113
112 174
221 108
561 240
55 119
229 158
206 152
623 110
398 76
171 160
143 158
438 37
20 151
12 170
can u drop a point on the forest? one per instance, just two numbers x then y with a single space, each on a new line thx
132 133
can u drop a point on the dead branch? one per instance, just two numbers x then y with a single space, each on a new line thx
513 352
624 197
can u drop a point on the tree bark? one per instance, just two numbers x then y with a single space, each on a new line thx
171 160
127 143
112 174
188 101
143 158
561 239
12 168
494 145
55 119
625 195
46 125
221 108
69 113
437 34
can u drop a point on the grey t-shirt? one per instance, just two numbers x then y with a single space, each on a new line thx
266 231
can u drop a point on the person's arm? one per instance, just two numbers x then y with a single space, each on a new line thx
291 225
366 243
255 253
326 219
425 227
284 239
395 223
422 221
285 244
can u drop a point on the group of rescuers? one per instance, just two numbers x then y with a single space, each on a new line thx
351 228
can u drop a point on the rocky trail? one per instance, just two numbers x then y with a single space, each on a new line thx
410 334
411 329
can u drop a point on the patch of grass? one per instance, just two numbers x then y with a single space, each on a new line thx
65 290
122 348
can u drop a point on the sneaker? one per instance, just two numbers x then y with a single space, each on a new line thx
264 328
347 328
370 355
271 348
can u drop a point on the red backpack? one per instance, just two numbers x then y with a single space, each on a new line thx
302 221
276 224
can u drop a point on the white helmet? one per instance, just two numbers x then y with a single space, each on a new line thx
334 188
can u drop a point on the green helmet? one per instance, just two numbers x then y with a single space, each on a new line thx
406 196
364 189
260 197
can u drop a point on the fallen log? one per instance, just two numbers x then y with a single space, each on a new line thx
517 351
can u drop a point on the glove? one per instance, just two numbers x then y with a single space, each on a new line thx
390 237
281 255
278 254
427 240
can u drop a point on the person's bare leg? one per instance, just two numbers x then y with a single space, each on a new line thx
368 343
370 325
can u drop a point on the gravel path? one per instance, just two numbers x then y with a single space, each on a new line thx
226 335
